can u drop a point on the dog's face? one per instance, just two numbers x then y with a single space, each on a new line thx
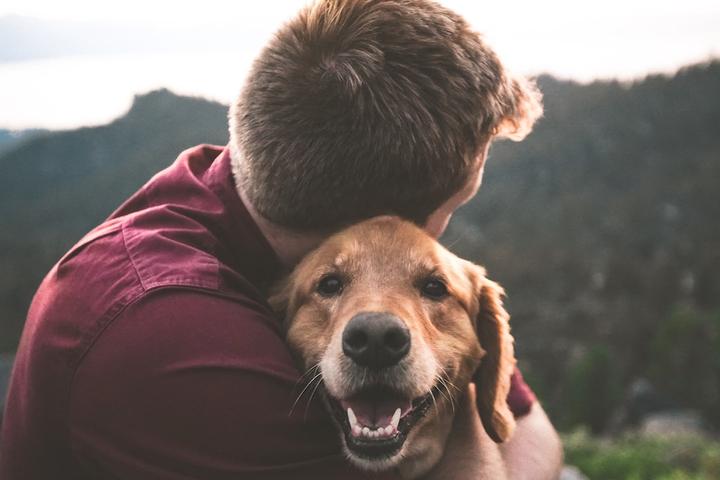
397 327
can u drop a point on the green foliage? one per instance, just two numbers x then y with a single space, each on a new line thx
688 341
637 458
593 389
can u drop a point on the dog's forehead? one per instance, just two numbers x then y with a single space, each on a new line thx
386 242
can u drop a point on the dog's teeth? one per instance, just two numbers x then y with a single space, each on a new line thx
351 417
395 419
380 432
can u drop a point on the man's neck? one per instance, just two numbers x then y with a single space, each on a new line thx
289 245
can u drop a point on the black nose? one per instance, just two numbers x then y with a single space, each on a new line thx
376 340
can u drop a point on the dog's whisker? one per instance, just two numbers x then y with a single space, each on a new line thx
311 380
305 375
444 395
451 384
449 396
446 378
437 411
319 375
307 406
442 388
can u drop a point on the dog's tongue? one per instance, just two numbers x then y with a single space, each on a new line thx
376 408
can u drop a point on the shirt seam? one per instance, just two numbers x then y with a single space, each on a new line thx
130 257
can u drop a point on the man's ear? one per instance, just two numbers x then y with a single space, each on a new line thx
497 365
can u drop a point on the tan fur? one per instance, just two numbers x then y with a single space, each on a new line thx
465 336
494 373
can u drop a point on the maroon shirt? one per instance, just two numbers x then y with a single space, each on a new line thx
150 352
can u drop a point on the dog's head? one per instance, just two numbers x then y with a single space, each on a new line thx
397 326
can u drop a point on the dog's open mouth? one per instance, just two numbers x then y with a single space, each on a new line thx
377 420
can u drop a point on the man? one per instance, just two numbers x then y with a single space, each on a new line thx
149 350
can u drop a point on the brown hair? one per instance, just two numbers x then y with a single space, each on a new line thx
364 107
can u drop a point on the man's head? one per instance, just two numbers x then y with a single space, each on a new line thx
358 108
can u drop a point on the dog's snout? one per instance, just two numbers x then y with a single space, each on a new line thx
376 339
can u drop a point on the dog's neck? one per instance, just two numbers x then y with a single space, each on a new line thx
289 245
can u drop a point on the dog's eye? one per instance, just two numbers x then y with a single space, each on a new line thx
434 288
329 286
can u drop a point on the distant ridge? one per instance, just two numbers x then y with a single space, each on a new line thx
58 185
604 228
11 138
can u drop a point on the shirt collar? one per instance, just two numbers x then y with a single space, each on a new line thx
246 248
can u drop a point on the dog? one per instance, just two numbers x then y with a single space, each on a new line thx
395 327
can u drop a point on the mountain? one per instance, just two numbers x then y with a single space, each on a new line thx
7 138
10 138
602 226
58 185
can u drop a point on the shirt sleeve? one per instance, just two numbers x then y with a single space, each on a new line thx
188 385
520 397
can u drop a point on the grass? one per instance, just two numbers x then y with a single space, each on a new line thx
636 458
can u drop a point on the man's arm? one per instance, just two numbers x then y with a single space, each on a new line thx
534 451
184 384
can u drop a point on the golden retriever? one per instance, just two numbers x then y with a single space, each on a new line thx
395 326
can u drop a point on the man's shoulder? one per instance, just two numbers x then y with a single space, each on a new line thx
125 261
202 327
151 248
118 262
181 230
183 370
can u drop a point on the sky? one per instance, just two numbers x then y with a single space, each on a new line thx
578 40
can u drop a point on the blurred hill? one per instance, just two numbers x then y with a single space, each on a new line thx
602 225
11 138
7 138
56 186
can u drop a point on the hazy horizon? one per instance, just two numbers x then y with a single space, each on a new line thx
79 63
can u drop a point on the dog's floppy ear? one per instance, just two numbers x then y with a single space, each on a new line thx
497 365
279 299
